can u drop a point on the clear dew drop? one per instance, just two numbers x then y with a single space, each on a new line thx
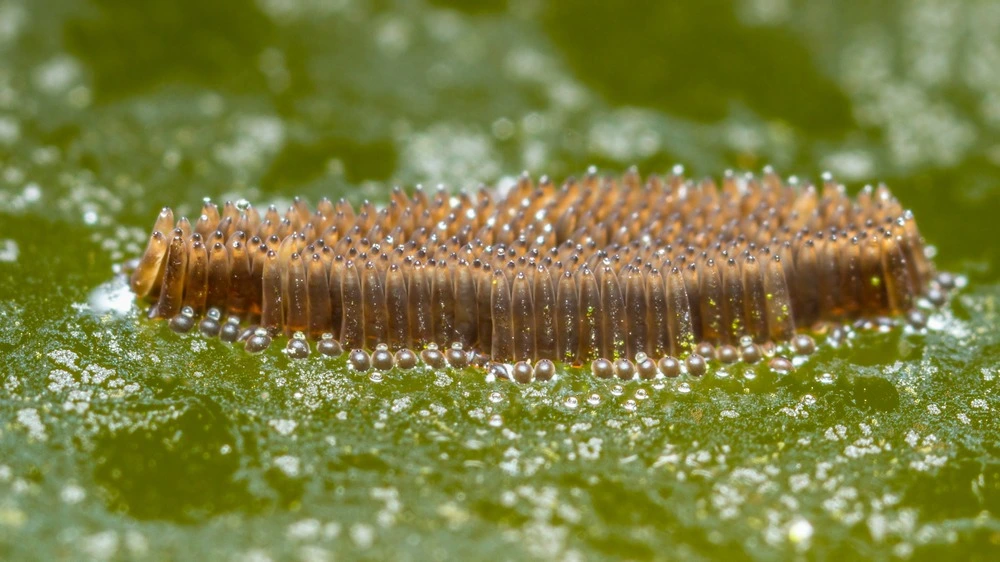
571 402
495 397
808 399
659 385
641 394
496 420
750 374
594 399
746 341
375 376
629 405
617 390
826 379
683 388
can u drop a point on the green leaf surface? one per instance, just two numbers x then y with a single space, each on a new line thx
120 440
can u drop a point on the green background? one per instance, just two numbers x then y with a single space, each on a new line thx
120 440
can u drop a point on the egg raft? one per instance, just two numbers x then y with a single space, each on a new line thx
637 278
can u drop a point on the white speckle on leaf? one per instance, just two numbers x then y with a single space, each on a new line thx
289 465
283 427
363 535
72 494
28 417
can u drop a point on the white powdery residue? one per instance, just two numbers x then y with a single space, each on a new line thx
101 546
799 482
748 476
386 517
933 409
850 165
313 553
64 358
929 462
112 297
980 404
13 18
78 401
304 530
451 155
289 465
668 457
591 449
510 464
283 427
393 35
764 12
363 535
625 135
136 543
61 380
256 138
800 532
726 500
401 404
28 417
57 74
253 555
72 494
835 433
10 131
95 374
862 447
729 414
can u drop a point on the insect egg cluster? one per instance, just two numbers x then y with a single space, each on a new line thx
634 277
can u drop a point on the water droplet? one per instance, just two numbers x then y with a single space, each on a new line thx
594 399
629 405
746 341
826 378
683 388
496 397
496 420
375 376
641 394
750 374
617 390
659 385
571 402
808 399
